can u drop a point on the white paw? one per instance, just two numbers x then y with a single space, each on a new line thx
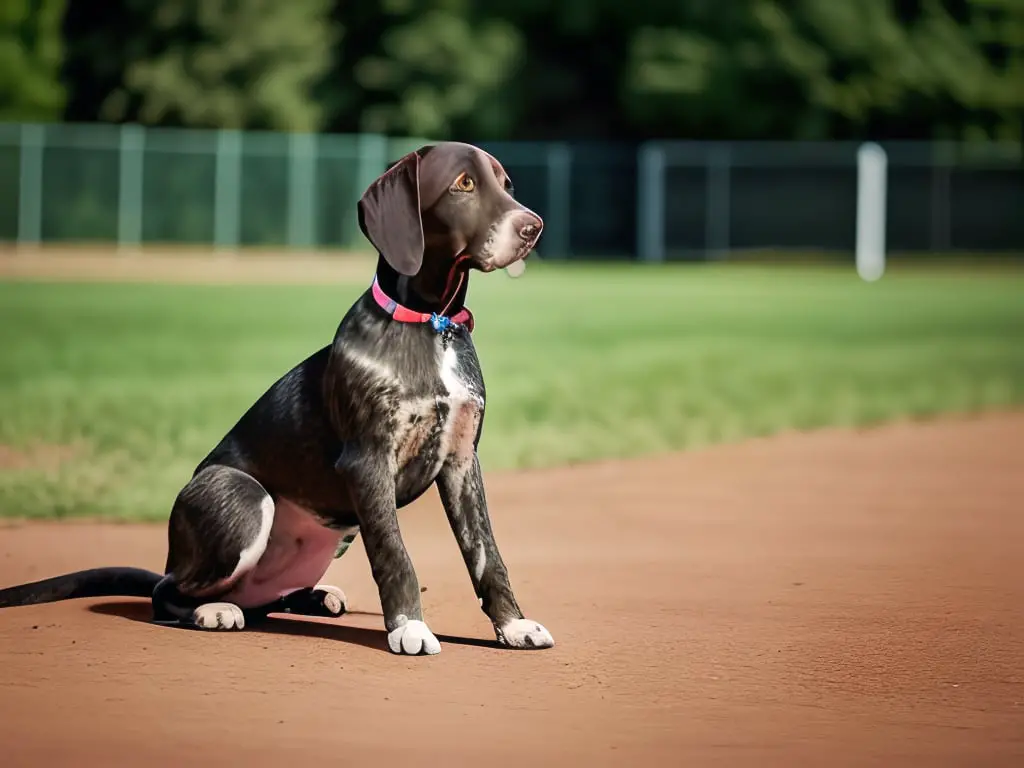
523 633
413 637
221 616
334 600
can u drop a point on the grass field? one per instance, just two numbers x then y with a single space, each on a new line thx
111 393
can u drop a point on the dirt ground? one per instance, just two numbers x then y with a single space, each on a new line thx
182 265
826 599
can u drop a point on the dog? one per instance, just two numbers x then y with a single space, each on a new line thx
353 433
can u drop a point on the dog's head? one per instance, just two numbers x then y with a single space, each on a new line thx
448 202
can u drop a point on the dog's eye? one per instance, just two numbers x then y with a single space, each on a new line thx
465 183
509 188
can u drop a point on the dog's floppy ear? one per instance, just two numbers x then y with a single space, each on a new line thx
389 215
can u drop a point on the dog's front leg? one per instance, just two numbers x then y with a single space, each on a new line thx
461 488
371 484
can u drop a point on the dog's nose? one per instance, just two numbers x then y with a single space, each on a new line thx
530 228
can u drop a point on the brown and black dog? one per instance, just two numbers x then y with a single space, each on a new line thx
353 433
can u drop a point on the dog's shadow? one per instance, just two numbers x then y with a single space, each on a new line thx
278 624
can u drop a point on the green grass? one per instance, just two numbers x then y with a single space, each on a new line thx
581 363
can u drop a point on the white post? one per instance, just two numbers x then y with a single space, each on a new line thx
871 189
129 197
227 196
650 214
30 185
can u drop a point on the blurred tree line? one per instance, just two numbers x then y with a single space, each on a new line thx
478 70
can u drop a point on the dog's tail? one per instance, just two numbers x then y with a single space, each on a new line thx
96 582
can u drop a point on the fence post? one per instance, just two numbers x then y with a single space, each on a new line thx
650 202
559 219
302 210
371 160
872 183
719 194
129 192
941 207
30 185
227 199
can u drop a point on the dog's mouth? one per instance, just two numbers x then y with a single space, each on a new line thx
463 262
519 255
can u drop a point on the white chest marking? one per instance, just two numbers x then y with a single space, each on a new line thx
465 408
453 416
456 387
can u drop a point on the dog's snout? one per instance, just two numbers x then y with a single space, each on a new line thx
511 238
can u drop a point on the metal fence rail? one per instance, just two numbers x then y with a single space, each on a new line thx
663 200
716 198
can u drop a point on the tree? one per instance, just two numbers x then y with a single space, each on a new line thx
997 29
536 69
812 69
441 70
943 68
209 63
31 50
707 71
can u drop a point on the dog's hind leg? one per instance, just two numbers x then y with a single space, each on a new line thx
218 531
322 600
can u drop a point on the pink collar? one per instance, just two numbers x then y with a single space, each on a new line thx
406 315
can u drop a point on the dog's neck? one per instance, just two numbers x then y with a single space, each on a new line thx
429 290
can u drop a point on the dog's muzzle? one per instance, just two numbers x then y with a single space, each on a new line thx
513 239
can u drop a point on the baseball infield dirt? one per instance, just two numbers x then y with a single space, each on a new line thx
181 265
826 599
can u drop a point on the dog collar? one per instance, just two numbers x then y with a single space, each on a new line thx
439 322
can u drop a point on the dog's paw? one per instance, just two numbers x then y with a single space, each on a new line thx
523 633
331 599
321 600
218 616
413 638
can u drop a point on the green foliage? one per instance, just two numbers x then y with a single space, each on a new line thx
707 67
111 394
812 69
222 63
440 69
31 50
997 27
577 69
860 58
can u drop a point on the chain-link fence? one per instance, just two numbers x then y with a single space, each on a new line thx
708 199
662 200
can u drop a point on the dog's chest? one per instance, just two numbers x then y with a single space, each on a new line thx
442 426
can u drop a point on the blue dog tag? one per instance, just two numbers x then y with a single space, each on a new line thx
440 322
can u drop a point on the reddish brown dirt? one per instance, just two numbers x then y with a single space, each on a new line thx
182 265
829 599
